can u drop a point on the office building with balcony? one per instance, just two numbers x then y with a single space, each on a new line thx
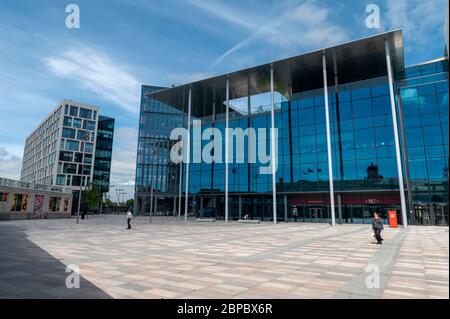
62 150
357 132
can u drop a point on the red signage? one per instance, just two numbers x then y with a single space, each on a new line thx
387 199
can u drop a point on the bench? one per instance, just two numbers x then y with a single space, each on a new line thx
205 220
249 221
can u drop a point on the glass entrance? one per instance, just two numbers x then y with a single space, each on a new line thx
315 215
431 214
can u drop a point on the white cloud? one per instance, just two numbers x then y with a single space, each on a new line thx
123 164
306 25
96 72
10 164
230 15
418 19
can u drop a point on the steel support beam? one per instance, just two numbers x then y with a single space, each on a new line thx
327 118
227 125
396 138
273 149
188 155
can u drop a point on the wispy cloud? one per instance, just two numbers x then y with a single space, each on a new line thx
10 164
226 13
95 71
419 21
306 25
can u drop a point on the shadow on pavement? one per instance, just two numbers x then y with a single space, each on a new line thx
29 272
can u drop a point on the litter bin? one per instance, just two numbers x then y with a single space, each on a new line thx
393 218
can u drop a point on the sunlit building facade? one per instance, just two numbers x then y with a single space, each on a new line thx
357 133
62 150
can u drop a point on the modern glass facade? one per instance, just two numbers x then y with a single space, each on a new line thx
424 100
153 166
103 152
362 141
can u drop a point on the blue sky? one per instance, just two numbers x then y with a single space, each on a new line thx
123 44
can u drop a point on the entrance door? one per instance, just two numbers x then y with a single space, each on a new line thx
315 215
423 215
439 214
443 216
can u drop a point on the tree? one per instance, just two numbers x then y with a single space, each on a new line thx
130 203
92 196
108 203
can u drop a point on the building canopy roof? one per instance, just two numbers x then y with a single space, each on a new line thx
353 61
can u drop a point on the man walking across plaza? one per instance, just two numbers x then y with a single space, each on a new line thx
377 226
129 217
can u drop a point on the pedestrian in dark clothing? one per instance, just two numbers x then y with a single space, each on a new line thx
377 226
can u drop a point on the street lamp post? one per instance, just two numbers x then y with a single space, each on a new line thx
85 138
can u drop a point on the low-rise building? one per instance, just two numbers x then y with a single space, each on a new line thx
22 200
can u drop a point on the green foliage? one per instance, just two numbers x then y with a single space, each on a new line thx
130 203
93 195
108 203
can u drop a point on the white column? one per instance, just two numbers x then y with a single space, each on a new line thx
174 205
240 207
273 149
151 200
227 124
396 139
327 118
188 156
180 187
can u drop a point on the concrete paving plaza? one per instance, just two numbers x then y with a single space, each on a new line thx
169 259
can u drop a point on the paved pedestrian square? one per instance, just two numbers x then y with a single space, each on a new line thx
171 259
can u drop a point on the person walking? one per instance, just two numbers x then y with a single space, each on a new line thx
377 227
129 217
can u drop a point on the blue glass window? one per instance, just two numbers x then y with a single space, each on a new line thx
381 105
382 89
60 180
306 117
418 168
306 103
360 93
428 104
68 133
91 125
73 110
362 108
414 136
410 107
85 113
436 168
77 123
67 121
364 138
432 135
72 145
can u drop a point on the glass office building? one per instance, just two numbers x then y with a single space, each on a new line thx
357 133
154 170
72 146
103 152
